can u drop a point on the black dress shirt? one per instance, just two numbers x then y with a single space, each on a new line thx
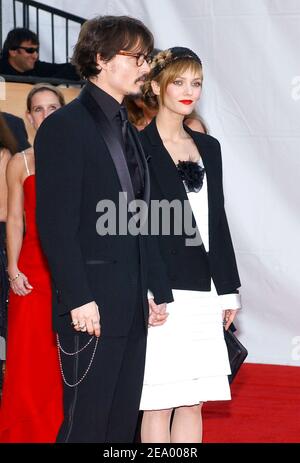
111 108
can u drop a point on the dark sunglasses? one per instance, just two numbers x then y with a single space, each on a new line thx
29 50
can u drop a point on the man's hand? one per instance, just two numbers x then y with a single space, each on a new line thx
157 313
87 318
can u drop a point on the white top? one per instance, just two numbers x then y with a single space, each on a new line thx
199 205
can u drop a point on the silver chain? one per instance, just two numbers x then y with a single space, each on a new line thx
74 353
71 353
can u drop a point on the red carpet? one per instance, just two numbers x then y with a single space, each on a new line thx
265 407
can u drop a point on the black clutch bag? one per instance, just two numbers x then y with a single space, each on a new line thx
236 351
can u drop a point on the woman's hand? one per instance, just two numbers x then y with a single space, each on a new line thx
228 317
20 285
157 313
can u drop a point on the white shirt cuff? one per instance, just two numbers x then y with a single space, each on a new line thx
230 301
150 295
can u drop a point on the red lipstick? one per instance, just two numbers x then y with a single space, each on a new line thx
186 101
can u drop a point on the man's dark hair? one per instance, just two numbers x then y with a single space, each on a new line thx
107 35
15 37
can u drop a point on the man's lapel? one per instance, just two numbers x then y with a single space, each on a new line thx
111 141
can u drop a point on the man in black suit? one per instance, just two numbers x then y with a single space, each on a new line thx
17 127
87 153
20 55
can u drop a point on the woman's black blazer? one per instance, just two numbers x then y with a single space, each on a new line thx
191 267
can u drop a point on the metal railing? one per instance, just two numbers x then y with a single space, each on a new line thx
30 12
38 80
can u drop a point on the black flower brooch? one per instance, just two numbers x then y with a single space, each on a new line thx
191 174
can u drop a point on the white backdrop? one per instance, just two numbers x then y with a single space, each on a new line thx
251 102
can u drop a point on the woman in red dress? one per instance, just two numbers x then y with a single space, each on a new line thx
31 408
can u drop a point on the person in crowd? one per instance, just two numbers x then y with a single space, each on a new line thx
18 129
8 145
20 57
140 113
187 360
88 153
31 408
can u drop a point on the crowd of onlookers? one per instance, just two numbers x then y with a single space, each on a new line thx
71 285
20 57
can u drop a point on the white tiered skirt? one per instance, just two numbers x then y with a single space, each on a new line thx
187 360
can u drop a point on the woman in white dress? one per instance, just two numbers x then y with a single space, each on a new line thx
187 360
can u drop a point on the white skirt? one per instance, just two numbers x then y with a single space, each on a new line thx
187 360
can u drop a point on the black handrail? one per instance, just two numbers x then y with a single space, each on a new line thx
1 23
46 80
54 12
51 9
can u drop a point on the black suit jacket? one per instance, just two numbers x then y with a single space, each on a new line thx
42 69
17 127
79 162
191 267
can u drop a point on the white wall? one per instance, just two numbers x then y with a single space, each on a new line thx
251 102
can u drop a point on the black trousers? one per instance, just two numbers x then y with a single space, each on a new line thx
104 406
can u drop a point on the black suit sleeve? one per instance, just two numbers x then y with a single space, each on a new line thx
17 126
158 281
22 136
59 157
56 70
222 260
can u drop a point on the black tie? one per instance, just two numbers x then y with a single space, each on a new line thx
124 122
131 153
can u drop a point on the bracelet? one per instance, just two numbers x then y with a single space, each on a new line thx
14 278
